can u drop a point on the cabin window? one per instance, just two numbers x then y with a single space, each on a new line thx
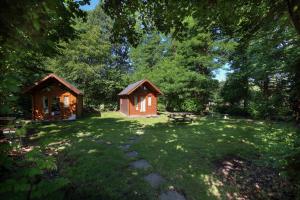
55 108
149 100
45 104
136 103
66 102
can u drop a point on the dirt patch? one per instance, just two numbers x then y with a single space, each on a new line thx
252 181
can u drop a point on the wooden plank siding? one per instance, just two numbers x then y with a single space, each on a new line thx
55 92
124 105
53 98
150 110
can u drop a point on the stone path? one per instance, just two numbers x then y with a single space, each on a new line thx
140 164
133 140
125 147
154 179
171 195
132 154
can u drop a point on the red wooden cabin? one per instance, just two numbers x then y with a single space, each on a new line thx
139 99
53 98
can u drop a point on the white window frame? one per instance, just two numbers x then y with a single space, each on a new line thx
66 102
136 103
149 100
45 107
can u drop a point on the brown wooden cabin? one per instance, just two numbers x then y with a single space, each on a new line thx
53 98
139 99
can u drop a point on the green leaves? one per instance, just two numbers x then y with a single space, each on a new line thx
30 179
46 188
40 161
261 68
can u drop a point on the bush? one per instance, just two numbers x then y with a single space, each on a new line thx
232 110
27 176
109 107
161 107
274 107
191 105
293 168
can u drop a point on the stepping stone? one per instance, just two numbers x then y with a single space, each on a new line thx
154 179
133 137
125 147
99 141
133 140
140 164
171 195
132 154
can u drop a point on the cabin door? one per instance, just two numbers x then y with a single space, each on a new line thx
55 110
143 104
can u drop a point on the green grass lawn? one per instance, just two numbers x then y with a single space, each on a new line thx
88 153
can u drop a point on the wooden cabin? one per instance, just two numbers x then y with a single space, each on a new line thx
139 99
53 98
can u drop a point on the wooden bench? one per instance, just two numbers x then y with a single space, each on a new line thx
181 117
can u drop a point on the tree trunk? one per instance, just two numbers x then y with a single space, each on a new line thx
294 12
295 91
266 92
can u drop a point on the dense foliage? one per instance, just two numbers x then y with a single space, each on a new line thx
266 69
234 17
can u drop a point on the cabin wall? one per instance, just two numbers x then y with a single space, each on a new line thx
124 107
150 110
54 90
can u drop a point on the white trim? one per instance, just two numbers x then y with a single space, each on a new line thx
149 100
66 101
136 103
45 105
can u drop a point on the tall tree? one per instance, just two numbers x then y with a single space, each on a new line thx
267 63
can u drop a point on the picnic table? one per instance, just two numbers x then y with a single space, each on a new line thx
8 125
8 129
181 116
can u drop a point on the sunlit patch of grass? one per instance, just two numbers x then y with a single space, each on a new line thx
213 186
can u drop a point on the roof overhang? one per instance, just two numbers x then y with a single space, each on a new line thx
136 86
59 79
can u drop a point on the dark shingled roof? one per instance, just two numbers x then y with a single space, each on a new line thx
130 88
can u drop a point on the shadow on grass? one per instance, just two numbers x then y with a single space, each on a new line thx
88 154
185 153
